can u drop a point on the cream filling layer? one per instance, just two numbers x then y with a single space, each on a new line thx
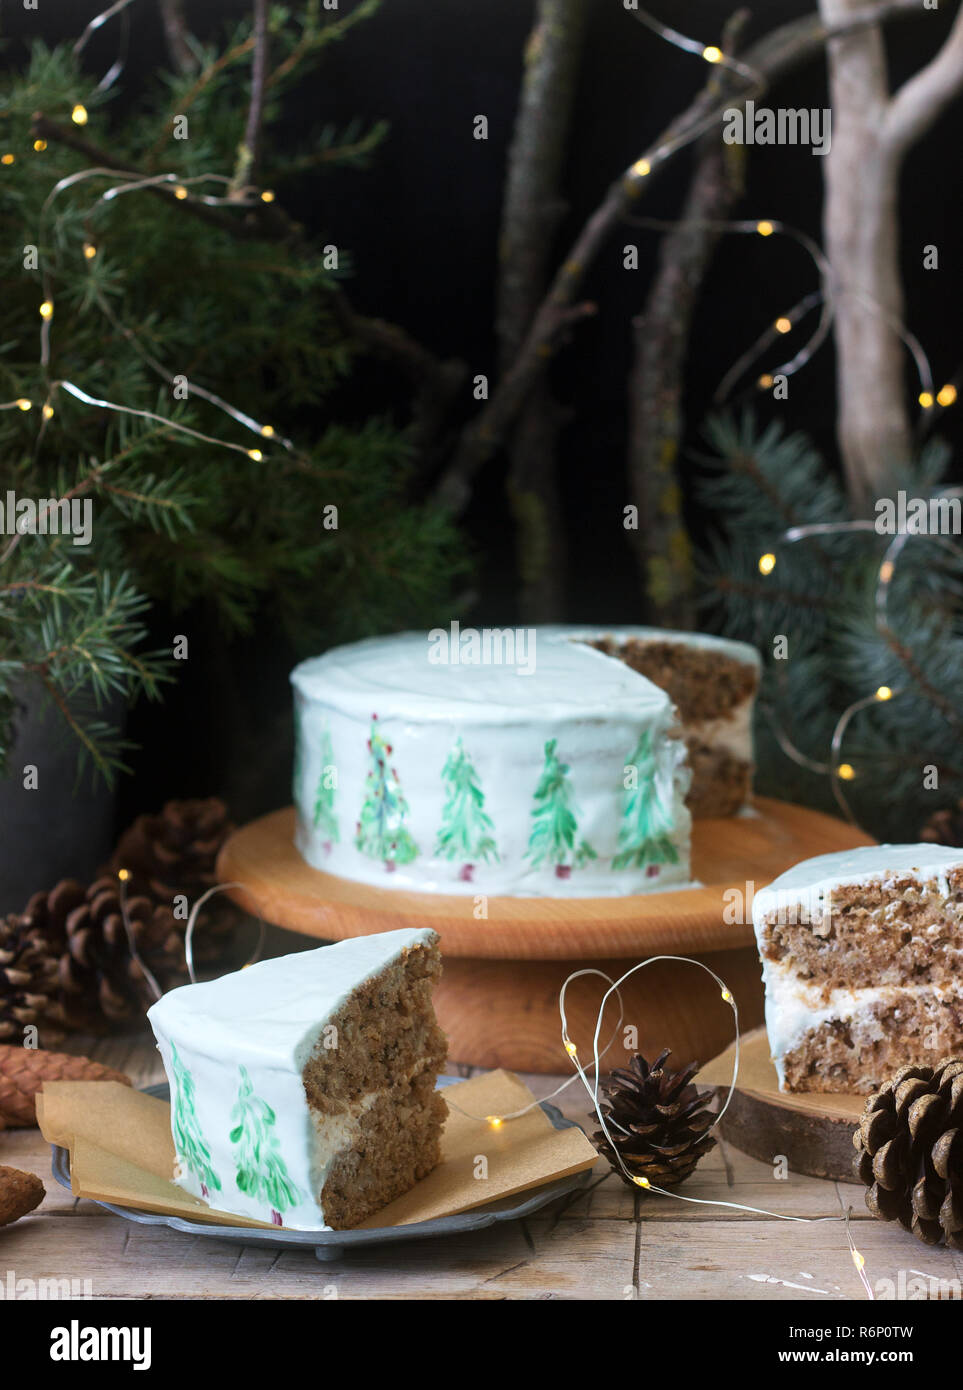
331 1135
793 1008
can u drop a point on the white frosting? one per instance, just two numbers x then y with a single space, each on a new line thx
502 717
807 886
267 1019
803 894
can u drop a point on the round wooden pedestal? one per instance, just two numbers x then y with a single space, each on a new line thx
506 958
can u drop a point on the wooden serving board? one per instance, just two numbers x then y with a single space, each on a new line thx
813 1131
735 855
498 997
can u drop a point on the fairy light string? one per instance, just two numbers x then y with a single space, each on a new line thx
835 767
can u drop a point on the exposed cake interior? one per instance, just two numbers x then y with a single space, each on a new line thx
863 975
713 693
370 1087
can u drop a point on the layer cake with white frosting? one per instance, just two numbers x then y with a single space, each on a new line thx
303 1088
428 762
862 957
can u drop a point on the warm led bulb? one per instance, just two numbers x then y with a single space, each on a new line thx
24 404
926 399
641 167
884 693
7 158
946 394
782 325
570 1047
846 771
46 309
727 996
255 454
765 228
267 196
90 250
642 1182
767 563
886 571
47 412
79 115
40 146
858 1259
495 1121
267 431
180 192
765 381
712 54
123 875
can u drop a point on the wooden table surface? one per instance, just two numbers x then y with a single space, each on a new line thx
604 1242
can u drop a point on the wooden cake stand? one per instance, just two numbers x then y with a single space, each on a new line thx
498 997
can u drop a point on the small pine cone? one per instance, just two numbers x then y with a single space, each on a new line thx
909 1152
19 1193
23 1071
100 985
174 854
657 1122
29 989
945 827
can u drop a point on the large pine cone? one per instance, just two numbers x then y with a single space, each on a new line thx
909 1152
172 855
657 1121
29 983
99 985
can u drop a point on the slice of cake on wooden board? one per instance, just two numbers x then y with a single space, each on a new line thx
862 957
303 1088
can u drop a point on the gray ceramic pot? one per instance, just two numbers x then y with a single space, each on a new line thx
63 828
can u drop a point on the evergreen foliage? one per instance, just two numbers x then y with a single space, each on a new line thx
216 295
553 837
825 642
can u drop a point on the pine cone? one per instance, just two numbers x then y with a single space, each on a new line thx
29 984
909 1152
23 1070
19 1193
99 984
657 1121
945 827
174 854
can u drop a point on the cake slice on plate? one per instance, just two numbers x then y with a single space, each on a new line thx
862 957
303 1088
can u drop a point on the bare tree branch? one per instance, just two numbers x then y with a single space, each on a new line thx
532 209
771 57
175 34
924 97
251 149
661 542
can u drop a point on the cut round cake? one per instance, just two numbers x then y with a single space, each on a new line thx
862 957
547 761
303 1088
424 765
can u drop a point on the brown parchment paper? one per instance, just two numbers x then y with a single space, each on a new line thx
121 1151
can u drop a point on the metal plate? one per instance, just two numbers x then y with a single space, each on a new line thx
333 1245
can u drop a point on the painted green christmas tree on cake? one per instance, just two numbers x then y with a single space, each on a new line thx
381 831
465 824
645 835
260 1171
324 818
189 1143
553 837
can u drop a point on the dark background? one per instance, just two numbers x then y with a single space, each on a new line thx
421 226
